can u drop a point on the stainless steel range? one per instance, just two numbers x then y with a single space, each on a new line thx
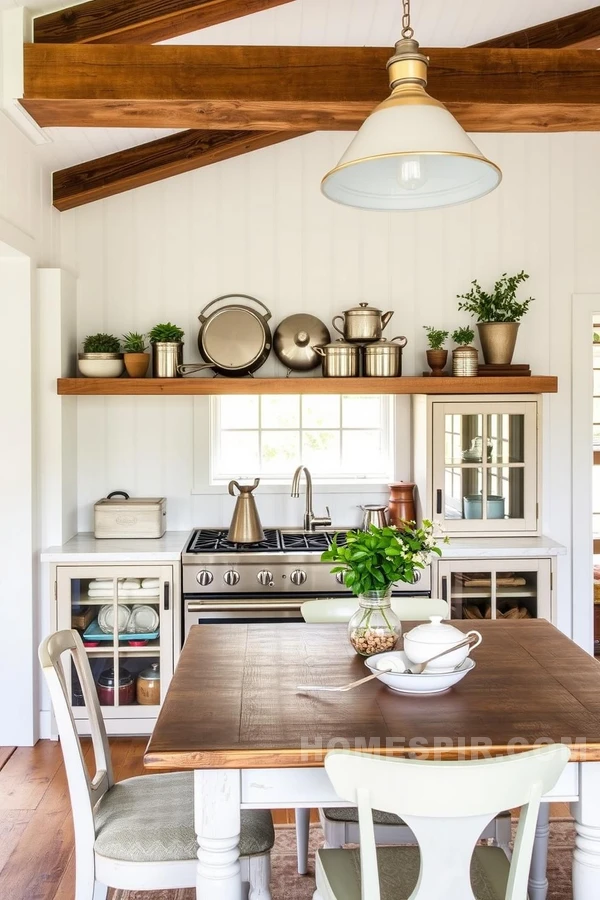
267 581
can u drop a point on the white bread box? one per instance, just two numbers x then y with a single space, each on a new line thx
125 517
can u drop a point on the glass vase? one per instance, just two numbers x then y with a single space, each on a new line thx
374 627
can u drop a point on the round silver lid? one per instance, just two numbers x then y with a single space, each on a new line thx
295 338
362 309
233 337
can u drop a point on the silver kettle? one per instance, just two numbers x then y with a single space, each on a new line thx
245 525
373 514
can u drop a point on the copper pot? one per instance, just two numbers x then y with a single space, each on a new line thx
105 686
148 686
401 506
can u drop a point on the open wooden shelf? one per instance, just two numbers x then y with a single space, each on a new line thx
534 384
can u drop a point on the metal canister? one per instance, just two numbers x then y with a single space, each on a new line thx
383 359
340 359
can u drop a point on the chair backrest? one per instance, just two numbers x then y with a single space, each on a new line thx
447 804
85 792
327 610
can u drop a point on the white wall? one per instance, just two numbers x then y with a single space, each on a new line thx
259 225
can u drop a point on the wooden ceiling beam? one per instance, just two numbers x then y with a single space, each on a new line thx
139 21
154 161
580 30
301 88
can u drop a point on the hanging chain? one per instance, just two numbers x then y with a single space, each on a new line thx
407 31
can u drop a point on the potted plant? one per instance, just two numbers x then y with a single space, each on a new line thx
465 358
437 356
101 357
167 350
498 315
371 562
135 357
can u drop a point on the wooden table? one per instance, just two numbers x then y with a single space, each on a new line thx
233 715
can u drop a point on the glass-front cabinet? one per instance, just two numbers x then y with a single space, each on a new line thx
124 615
482 476
497 589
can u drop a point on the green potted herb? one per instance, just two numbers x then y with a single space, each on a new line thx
465 358
371 562
101 357
167 350
498 315
437 356
135 357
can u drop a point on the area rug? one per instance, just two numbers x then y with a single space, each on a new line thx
286 884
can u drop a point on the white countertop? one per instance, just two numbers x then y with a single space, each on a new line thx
169 548
85 546
500 547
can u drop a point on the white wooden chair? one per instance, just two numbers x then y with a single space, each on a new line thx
447 804
136 834
340 824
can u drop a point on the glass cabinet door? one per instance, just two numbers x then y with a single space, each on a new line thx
484 466
124 617
510 589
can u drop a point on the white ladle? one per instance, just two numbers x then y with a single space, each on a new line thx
387 666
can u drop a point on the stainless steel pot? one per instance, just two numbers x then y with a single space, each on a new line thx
383 359
234 340
373 514
295 339
166 359
340 360
362 323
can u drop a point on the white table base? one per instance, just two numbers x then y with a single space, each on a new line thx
220 794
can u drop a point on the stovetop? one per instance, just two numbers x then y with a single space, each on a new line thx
214 540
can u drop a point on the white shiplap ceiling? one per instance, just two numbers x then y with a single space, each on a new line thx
449 23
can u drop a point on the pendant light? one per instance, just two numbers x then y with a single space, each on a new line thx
410 153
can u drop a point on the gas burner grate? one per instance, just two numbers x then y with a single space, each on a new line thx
213 540
302 541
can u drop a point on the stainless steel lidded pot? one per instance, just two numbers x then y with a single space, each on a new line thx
362 323
340 359
383 359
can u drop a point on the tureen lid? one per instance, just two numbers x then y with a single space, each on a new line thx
435 632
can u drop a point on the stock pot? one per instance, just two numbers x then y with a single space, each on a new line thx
340 359
383 359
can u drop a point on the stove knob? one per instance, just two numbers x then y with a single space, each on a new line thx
265 577
298 576
204 577
231 577
417 576
339 577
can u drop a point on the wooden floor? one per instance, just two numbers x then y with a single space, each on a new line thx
36 832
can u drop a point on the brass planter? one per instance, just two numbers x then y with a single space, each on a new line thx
498 341
436 360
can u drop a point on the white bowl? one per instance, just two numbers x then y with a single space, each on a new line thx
101 368
426 683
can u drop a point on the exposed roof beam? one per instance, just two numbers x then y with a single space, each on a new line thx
139 21
301 88
154 161
581 30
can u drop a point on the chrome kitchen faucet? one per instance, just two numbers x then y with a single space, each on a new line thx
311 522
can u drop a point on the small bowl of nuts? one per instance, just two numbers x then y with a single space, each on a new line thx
372 639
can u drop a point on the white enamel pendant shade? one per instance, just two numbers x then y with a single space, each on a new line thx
410 156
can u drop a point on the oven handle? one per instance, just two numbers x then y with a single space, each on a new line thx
192 607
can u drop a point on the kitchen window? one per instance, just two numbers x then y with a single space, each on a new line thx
342 439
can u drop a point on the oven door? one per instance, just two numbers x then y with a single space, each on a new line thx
241 612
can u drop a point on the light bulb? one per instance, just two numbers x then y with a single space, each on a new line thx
412 173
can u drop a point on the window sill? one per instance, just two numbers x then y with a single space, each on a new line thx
319 488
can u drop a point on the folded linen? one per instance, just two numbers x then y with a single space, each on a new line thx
100 583
139 593
151 583
101 595
130 584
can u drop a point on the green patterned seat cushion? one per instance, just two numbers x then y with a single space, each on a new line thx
151 819
399 870
350 814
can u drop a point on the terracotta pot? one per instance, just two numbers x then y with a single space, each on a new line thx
401 505
137 364
436 360
498 341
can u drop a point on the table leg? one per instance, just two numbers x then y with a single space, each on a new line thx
538 883
586 855
217 824
302 836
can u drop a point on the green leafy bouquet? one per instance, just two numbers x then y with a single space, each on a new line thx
373 560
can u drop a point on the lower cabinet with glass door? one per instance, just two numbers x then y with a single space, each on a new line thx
128 621
498 589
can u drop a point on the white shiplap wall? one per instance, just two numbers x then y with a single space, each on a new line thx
258 224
